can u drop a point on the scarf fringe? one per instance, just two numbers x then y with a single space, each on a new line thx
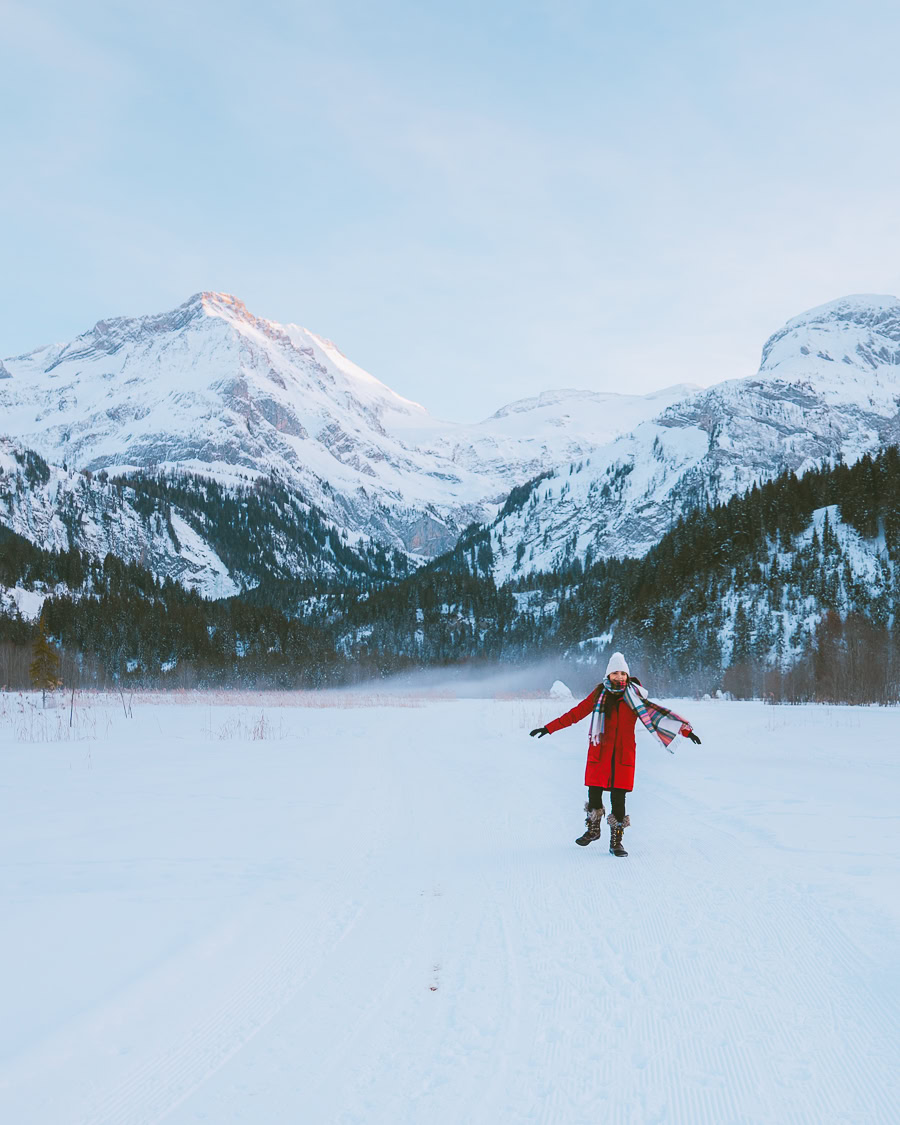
651 714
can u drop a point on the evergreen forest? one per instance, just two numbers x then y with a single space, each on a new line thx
788 592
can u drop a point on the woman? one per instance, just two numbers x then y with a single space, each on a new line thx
615 706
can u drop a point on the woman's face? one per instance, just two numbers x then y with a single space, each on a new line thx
618 679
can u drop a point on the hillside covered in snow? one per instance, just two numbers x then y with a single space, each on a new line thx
828 390
211 389
216 539
735 539
791 590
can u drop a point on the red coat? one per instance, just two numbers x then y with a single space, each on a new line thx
610 764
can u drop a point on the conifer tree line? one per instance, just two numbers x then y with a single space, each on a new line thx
264 532
790 591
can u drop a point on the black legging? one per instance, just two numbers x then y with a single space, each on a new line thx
616 800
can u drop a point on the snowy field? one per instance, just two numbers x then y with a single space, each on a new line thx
261 910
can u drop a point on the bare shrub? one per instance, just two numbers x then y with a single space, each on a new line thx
28 722
241 729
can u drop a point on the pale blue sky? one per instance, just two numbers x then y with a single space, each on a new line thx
476 202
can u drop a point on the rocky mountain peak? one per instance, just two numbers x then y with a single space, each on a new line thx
212 389
863 328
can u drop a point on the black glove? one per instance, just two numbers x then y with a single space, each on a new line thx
540 732
694 738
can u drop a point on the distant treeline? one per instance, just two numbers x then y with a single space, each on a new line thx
745 596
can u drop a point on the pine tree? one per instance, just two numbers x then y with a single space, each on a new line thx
740 651
44 668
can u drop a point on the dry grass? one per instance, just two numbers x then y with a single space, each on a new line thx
23 715
515 696
256 715
273 699
240 729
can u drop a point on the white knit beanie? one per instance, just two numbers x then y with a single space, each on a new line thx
617 663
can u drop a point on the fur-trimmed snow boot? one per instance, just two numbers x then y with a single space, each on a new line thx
594 822
615 836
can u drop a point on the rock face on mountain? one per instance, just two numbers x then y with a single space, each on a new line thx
828 387
210 388
847 350
214 539
59 509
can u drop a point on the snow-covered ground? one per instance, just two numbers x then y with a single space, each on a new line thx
264 911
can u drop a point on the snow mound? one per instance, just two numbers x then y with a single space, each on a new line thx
560 691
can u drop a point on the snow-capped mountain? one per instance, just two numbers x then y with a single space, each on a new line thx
847 351
212 389
828 387
532 435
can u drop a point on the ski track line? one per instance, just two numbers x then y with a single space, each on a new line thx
432 1067
483 996
688 1038
369 1001
864 1030
462 1056
776 937
333 1070
346 1053
640 1028
486 1062
601 980
574 989
161 1084
708 1078
507 837
729 1086
481 1103
507 843
413 1008
858 1007
548 945
786 926
550 917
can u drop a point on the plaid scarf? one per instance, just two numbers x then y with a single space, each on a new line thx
658 720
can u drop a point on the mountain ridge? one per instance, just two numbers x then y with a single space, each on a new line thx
210 388
794 414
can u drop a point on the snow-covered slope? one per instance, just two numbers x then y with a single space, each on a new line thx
848 351
535 434
855 576
802 604
59 509
213 540
828 387
213 389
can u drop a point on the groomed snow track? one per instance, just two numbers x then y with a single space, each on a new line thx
376 913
